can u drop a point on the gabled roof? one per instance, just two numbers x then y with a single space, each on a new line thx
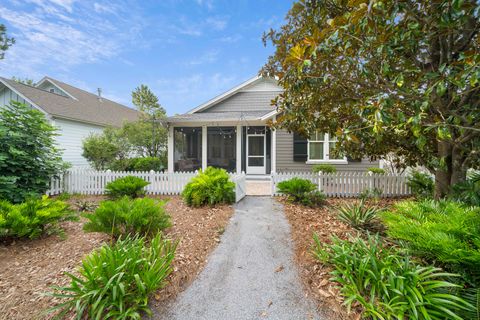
217 116
86 107
227 94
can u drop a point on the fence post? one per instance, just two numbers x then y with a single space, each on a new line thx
320 181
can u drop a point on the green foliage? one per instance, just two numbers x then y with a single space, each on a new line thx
386 283
209 187
148 164
376 170
468 192
378 75
421 184
28 153
85 205
445 232
359 214
125 216
32 218
5 41
371 193
324 168
102 149
129 186
302 191
115 281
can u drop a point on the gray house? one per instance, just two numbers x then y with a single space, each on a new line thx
230 132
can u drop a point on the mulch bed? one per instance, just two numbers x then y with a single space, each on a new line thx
315 276
28 268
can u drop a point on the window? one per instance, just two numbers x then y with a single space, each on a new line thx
187 148
52 90
322 148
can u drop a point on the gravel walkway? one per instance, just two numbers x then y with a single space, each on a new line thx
251 274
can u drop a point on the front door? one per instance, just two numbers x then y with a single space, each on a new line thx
256 149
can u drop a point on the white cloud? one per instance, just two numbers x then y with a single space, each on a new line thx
210 56
231 39
216 23
205 3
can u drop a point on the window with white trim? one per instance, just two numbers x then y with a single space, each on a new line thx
321 147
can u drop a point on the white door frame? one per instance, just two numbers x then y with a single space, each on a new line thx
257 169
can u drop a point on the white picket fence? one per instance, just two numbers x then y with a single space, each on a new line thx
93 182
349 184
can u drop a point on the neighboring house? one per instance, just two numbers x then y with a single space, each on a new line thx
75 112
230 132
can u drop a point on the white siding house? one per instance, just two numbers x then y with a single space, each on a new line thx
75 112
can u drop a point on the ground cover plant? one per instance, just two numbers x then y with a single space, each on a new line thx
324 168
359 215
444 232
33 217
468 192
387 283
302 191
211 186
129 186
115 281
125 216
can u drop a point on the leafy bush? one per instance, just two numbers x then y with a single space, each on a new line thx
148 163
210 187
386 283
85 205
468 191
376 170
421 184
125 216
33 217
28 153
302 191
324 168
359 215
373 193
129 186
445 232
103 149
115 282
126 164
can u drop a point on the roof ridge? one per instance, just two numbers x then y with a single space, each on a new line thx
90 93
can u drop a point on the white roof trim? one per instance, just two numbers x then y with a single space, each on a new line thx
56 85
269 115
24 97
223 96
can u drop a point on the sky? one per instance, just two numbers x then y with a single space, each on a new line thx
186 51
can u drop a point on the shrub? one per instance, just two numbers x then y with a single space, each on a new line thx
296 188
359 215
421 184
314 199
33 217
129 186
468 192
376 170
28 153
115 282
386 283
127 164
210 187
445 232
125 216
324 168
373 193
148 163
103 149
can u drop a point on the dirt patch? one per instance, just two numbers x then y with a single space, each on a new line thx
315 276
28 268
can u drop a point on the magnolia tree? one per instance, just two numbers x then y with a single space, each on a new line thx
387 77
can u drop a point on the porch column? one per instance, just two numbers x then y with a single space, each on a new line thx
204 147
170 150
273 165
239 149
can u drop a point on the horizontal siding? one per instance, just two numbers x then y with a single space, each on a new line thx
70 139
7 95
246 101
285 161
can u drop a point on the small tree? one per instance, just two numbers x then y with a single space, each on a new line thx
5 41
29 156
149 134
101 150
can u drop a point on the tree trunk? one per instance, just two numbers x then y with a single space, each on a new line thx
459 172
443 175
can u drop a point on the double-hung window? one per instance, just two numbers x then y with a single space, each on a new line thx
321 148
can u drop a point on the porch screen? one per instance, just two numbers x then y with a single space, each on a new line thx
221 150
188 148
